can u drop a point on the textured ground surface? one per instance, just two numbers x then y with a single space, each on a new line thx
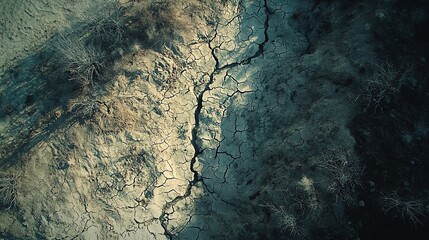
195 141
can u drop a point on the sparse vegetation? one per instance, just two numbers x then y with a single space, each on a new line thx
7 192
378 90
311 200
83 64
86 52
295 205
344 173
157 21
286 221
106 29
86 106
412 209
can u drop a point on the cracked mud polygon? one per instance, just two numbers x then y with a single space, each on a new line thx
214 119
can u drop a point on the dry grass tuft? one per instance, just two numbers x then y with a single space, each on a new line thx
412 209
82 63
7 192
344 172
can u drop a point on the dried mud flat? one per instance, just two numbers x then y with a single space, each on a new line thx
233 124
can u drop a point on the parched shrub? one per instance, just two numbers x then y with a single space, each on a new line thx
344 173
82 63
103 25
157 21
294 206
86 106
85 52
7 192
407 208
379 89
286 220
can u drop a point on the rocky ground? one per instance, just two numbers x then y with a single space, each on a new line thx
252 119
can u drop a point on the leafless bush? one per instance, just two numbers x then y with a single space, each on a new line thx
295 205
381 87
83 64
413 209
158 21
86 106
7 192
286 220
344 173
310 199
103 25
84 52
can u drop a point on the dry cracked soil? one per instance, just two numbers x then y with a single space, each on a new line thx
213 119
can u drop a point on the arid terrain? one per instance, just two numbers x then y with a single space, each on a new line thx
213 119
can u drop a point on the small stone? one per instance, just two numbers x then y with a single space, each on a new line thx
57 113
361 203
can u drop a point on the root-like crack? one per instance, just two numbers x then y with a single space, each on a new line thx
194 135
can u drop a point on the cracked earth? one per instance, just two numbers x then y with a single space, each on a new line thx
180 146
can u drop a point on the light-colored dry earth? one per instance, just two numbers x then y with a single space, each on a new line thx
188 144
25 25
